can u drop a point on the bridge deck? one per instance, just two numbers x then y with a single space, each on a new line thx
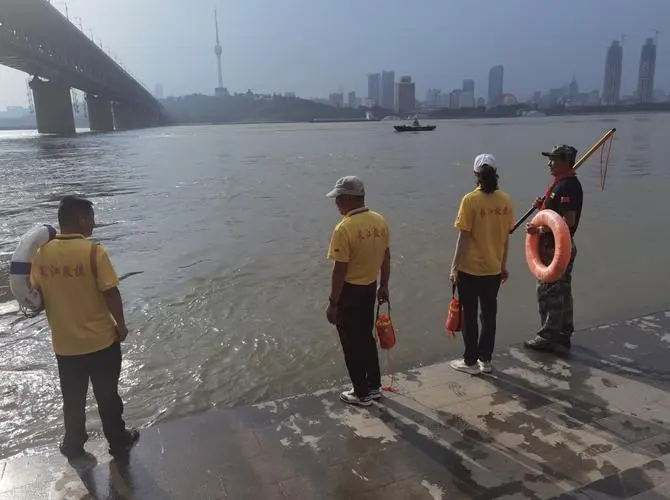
37 39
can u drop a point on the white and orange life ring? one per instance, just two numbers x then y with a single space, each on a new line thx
562 243
29 299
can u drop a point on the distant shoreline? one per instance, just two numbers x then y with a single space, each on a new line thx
20 128
423 116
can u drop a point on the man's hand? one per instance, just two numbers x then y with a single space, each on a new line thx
122 332
504 275
530 229
331 314
538 203
453 276
383 294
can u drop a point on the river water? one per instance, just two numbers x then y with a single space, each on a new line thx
229 226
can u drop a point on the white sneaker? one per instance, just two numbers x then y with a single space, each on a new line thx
459 364
485 366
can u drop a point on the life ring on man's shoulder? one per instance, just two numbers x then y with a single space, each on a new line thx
562 247
19 268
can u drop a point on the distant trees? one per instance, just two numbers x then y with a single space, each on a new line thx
250 107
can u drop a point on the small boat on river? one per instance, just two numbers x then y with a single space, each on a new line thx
413 128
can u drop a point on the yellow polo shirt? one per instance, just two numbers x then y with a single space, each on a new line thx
78 316
489 219
360 239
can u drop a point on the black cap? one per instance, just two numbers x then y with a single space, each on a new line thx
564 152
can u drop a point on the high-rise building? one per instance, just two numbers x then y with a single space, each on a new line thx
369 103
455 99
645 82
351 100
374 88
434 97
218 51
613 70
466 99
158 91
495 85
469 86
573 89
481 102
336 99
405 97
388 90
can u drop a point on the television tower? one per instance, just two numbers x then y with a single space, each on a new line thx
218 51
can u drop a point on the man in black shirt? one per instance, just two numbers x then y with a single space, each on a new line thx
565 197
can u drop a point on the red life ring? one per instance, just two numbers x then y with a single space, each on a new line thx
562 252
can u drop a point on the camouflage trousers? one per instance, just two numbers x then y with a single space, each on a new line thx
555 302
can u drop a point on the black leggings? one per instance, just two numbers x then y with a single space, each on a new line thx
482 291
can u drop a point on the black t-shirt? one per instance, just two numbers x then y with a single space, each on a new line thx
566 196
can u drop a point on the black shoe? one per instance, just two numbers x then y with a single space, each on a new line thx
72 452
120 451
539 343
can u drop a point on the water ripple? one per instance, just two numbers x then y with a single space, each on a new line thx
222 234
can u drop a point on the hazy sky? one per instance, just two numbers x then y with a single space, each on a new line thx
312 47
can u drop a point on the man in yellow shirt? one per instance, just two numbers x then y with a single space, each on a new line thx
485 218
85 313
360 249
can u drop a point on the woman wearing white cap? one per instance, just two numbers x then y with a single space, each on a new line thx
485 218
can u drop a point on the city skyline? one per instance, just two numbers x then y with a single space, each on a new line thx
609 94
283 48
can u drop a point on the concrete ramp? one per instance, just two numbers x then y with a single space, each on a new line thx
593 425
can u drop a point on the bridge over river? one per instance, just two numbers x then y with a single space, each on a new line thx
37 39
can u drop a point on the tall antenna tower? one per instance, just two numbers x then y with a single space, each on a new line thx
218 51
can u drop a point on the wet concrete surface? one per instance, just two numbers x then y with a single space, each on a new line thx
591 425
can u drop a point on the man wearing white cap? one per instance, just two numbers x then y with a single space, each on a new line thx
360 249
485 218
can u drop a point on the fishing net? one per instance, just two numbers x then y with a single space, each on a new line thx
605 160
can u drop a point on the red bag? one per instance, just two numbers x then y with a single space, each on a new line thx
384 328
453 322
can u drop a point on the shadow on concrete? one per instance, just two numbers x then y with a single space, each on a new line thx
446 449
117 480
572 409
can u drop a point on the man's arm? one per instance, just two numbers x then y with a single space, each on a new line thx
108 282
337 281
339 251
386 269
115 306
383 293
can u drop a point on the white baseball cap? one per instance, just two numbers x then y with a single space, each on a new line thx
350 185
483 159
